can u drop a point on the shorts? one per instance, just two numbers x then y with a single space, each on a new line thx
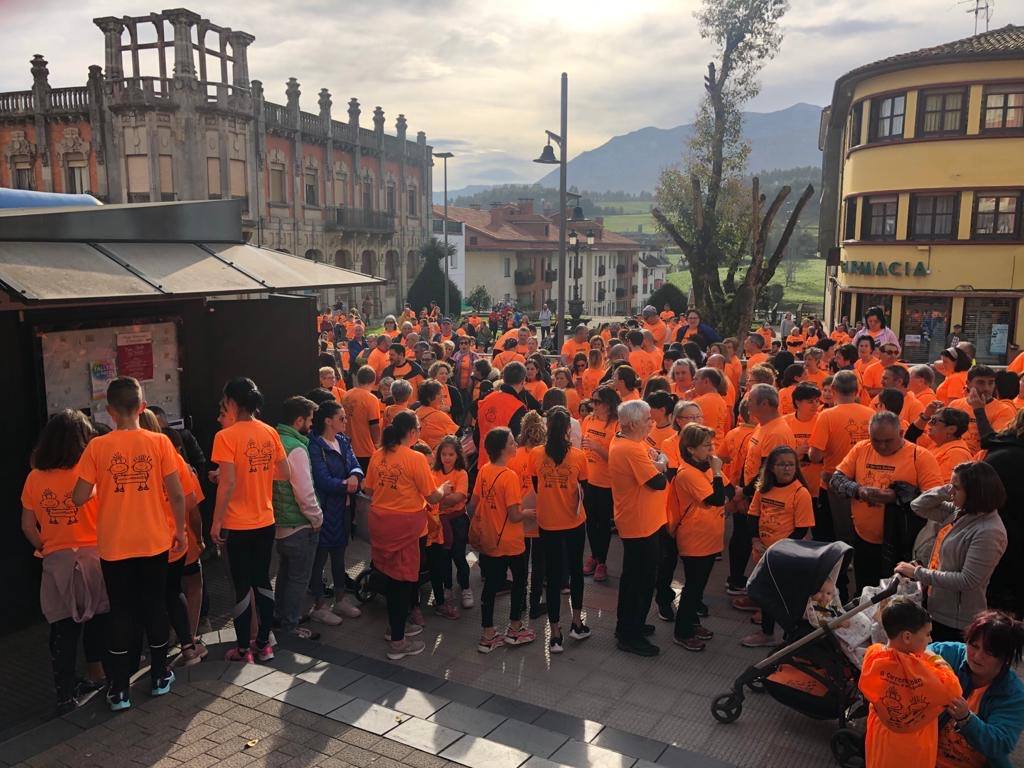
193 569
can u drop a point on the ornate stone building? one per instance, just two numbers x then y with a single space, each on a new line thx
173 115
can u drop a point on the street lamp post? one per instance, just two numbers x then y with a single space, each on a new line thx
444 156
547 157
576 304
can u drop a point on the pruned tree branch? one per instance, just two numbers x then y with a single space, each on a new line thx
672 231
794 216
698 203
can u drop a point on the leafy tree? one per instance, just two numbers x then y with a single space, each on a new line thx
479 299
670 294
706 206
429 283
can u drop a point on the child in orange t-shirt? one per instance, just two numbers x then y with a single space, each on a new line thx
532 432
908 688
129 469
497 498
781 509
449 465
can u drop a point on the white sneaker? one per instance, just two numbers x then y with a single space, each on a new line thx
467 598
344 608
325 616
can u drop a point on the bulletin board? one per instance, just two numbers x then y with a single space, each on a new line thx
78 364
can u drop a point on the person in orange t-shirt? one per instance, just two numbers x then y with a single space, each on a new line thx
64 535
557 469
578 343
561 378
706 386
507 355
401 393
814 372
922 379
250 456
953 364
753 349
329 380
654 324
806 400
598 431
534 383
667 314
981 385
435 424
640 360
378 358
497 498
589 377
638 481
364 413
696 519
866 475
907 687
449 465
128 468
734 447
945 429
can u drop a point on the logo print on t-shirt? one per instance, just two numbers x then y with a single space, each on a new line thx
58 508
556 477
856 431
389 475
125 473
259 457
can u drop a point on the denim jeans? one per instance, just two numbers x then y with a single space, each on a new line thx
295 562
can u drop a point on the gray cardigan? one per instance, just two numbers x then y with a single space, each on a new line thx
969 554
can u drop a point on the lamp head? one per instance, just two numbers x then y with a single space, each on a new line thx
547 156
590 237
573 238
443 155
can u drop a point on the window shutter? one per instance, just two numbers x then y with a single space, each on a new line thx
213 177
166 175
237 181
138 174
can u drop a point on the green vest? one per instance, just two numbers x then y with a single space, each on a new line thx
286 508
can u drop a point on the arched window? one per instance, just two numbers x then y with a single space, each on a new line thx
369 263
343 259
411 264
314 255
391 266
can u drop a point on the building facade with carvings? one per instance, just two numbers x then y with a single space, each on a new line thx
173 115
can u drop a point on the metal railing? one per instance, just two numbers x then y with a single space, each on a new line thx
359 220
524 277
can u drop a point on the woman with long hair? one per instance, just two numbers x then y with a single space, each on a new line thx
532 432
626 383
450 465
535 383
561 378
598 431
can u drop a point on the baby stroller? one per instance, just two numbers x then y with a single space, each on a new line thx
811 673
370 582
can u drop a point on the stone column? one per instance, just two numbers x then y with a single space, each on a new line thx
292 94
112 28
254 160
325 104
240 42
100 120
40 106
182 21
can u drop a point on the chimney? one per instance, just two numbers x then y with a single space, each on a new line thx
499 212
526 206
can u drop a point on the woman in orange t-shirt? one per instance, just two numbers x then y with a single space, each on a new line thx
681 375
65 537
626 383
696 518
792 376
589 370
557 469
450 465
435 424
953 364
598 431
497 498
535 383
250 456
400 486
532 432
597 344
561 378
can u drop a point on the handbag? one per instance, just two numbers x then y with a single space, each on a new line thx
481 537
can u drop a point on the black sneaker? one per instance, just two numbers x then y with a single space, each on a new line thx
646 631
66 706
735 591
579 631
555 644
640 647
666 613
702 611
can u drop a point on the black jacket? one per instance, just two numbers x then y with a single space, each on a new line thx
1006 457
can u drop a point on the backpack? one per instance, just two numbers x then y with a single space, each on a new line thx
483 538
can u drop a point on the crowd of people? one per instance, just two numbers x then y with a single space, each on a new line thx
653 432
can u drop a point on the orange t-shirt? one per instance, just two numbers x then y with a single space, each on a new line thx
639 510
781 511
817 378
767 334
948 455
840 338
756 359
590 380
193 528
924 397
802 431
435 425
912 407
837 429
1001 414
644 363
497 489
127 468
666 315
658 435
559 500
698 528
338 390
734 371
910 464
786 400
537 388
255 449
907 693
658 330
378 361
871 376
363 410
502 359
190 488
520 464
571 347
954 751
572 401
62 525
599 432
734 451
389 413
765 438
1018 402
399 480
952 388
716 415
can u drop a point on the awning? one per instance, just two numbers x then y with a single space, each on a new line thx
76 271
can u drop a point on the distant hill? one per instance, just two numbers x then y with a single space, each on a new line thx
632 162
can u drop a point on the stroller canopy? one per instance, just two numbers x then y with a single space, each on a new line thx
790 572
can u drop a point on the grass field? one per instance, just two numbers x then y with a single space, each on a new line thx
807 289
636 214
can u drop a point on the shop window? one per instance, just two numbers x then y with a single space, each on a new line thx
887 118
138 178
988 324
933 217
856 118
213 187
867 300
845 302
76 175
311 182
942 113
997 216
850 228
278 185
879 219
1003 108
924 325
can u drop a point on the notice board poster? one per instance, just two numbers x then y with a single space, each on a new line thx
78 365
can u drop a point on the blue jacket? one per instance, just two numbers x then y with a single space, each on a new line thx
331 471
997 726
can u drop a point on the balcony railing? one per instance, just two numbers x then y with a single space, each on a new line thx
70 99
142 90
620 293
524 277
359 220
18 102
454 227
551 275
275 115
620 269
601 270
312 125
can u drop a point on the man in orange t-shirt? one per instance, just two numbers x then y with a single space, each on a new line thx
638 492
753 350
578 343
713 406
654 324
329 380
640 360
129 469
507 355
378 358
363 410
981 385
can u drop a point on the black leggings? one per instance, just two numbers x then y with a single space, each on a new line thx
439 561
740 545
64 636
697 571
558 545
177 606
249 555
135 587
399 597
664 595
460 536
538 569
597 502
493 570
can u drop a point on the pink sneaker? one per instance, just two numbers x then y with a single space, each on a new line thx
447 611
266 653
601 572
416 617
243 655
588 566
488 644
520 636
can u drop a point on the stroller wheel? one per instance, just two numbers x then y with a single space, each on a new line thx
756 685
727 708
364 589
848 748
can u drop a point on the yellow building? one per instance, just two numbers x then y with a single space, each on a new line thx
923 176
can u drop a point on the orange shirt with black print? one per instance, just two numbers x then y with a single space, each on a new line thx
497 489
62 525
255 449
781 511
559 506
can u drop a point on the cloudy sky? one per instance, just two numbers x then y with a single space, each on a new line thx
481 77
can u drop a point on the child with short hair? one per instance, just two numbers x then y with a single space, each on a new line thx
907 687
